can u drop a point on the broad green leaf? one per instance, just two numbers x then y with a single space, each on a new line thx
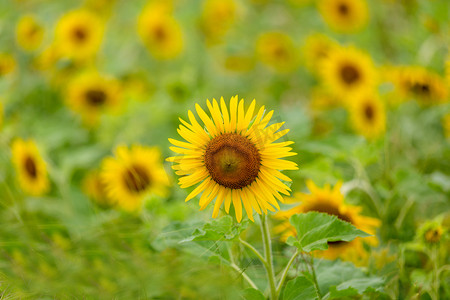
223 229
356 287
253 294
300 288
315 230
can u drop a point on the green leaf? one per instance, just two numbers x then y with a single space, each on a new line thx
223 229
315 230
253 294
300 288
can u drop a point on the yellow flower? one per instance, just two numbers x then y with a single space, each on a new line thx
348 71
317 48
133 174
233 158
344 15
47 58
331 201
79 34
95 188
92 94
421 84
30 167
217 18
432 232
29 33
446 125
7 64
239 63
368 115
277 50
159 31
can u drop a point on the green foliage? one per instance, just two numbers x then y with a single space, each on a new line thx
223 229
300 288
252 294
315 230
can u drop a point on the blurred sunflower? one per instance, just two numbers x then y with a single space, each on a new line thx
30 167
348 71
95 188
317 48
159 31
79 34
421 84
344 15
7 64
331 201
432 232
368 115
47 58
29 33
239 63
91 94
132 174
277 50
235 159
216 19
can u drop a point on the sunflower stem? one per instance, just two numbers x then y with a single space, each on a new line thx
268 257
253 249
285 272
313 271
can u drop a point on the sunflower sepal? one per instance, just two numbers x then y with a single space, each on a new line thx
315 230
222 229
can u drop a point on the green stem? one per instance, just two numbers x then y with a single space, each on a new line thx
313 270
256 252
285 272
436 284
268 256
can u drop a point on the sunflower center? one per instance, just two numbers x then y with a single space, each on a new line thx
421 89
432 236
232 160
279 52
343 9
160 33
30 167
349 74
96 97
369 112
79 34
136 179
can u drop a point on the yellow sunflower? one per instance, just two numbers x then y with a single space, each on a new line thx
29 33
91 94
421 84
331 201
7 64
239 63
348 71
344 15
133 174
217 17
79 34
368 115
317 48
95 188
30 167
159 31
234 158
47 58
277 50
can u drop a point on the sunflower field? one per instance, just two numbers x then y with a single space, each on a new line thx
225 149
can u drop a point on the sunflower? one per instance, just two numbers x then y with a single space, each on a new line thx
132 174
95 188
159 31
234 158
7 64
348 71
91 94
368 115
331 201
217 17
277 50
79 34
421 84
239 63
344 15
432 232
30 167
29 33
317 48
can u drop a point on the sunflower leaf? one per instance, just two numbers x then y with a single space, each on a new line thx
300 288
315 230
253 294
223 229
356 287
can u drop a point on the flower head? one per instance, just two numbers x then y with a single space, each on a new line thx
29 33
368 115
277 50
234 159
344 15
